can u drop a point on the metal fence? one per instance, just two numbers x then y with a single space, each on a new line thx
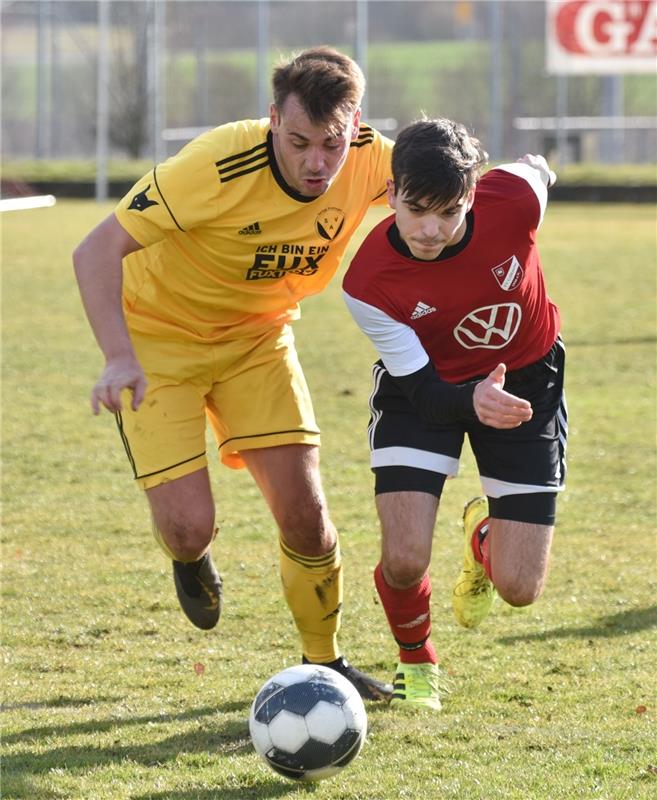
134 78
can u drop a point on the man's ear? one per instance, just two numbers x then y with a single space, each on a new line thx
274 117
392 193
355 126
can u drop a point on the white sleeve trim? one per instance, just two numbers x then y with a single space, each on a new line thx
397 344
534 178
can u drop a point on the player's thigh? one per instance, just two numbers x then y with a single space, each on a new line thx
406 453
286 474
261 398
164 438
407 524
519 557
289 479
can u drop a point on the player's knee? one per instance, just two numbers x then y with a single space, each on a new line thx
189 537
306 527
404 571
520 592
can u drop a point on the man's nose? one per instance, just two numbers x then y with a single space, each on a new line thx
315 160
430 227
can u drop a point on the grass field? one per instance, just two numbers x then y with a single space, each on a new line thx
109 694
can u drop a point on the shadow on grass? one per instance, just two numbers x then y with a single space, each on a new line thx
630 621
213 739
25 788
58 702
258 790
211 736
101 725
18 786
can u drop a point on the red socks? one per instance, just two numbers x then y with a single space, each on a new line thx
480 547
409 617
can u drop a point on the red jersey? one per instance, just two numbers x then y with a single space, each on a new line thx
468 311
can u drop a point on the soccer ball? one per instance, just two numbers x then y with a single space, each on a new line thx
308 722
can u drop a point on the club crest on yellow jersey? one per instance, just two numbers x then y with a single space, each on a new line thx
329 222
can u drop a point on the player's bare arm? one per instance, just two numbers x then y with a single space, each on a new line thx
496 407
99 272
540 164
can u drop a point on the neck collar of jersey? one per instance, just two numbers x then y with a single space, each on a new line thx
278 177
402 248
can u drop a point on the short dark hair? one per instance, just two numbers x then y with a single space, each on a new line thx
436 161
328 84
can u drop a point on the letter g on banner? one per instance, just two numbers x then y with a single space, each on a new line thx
601 36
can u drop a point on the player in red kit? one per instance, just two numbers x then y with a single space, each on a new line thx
451 293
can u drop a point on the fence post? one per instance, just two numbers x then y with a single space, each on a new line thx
102 100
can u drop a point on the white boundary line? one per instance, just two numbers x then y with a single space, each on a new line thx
24 203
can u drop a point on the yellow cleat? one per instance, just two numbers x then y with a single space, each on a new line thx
474 592
418 686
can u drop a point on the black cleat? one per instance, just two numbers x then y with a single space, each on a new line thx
198 586
368 688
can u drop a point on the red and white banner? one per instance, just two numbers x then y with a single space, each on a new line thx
601 36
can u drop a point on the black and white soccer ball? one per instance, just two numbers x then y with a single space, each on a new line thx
308 722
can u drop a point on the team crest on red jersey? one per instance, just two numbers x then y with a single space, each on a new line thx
329 222
508 274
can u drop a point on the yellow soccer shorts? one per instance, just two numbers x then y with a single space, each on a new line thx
252 392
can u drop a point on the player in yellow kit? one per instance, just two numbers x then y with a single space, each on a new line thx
190 287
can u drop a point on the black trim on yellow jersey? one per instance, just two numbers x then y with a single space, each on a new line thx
365 136
278 177
164 200
225 166
243 154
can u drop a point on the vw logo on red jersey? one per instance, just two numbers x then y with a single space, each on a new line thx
489 327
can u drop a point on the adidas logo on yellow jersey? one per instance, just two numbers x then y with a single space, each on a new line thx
250 230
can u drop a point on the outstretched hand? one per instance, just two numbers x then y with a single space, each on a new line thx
497 408
119 373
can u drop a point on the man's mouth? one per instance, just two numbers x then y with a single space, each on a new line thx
429 245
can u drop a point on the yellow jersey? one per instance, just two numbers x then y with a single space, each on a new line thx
229 249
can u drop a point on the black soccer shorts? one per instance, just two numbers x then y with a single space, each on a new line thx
408 454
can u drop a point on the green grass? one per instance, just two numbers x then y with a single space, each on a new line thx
101 696
63 169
